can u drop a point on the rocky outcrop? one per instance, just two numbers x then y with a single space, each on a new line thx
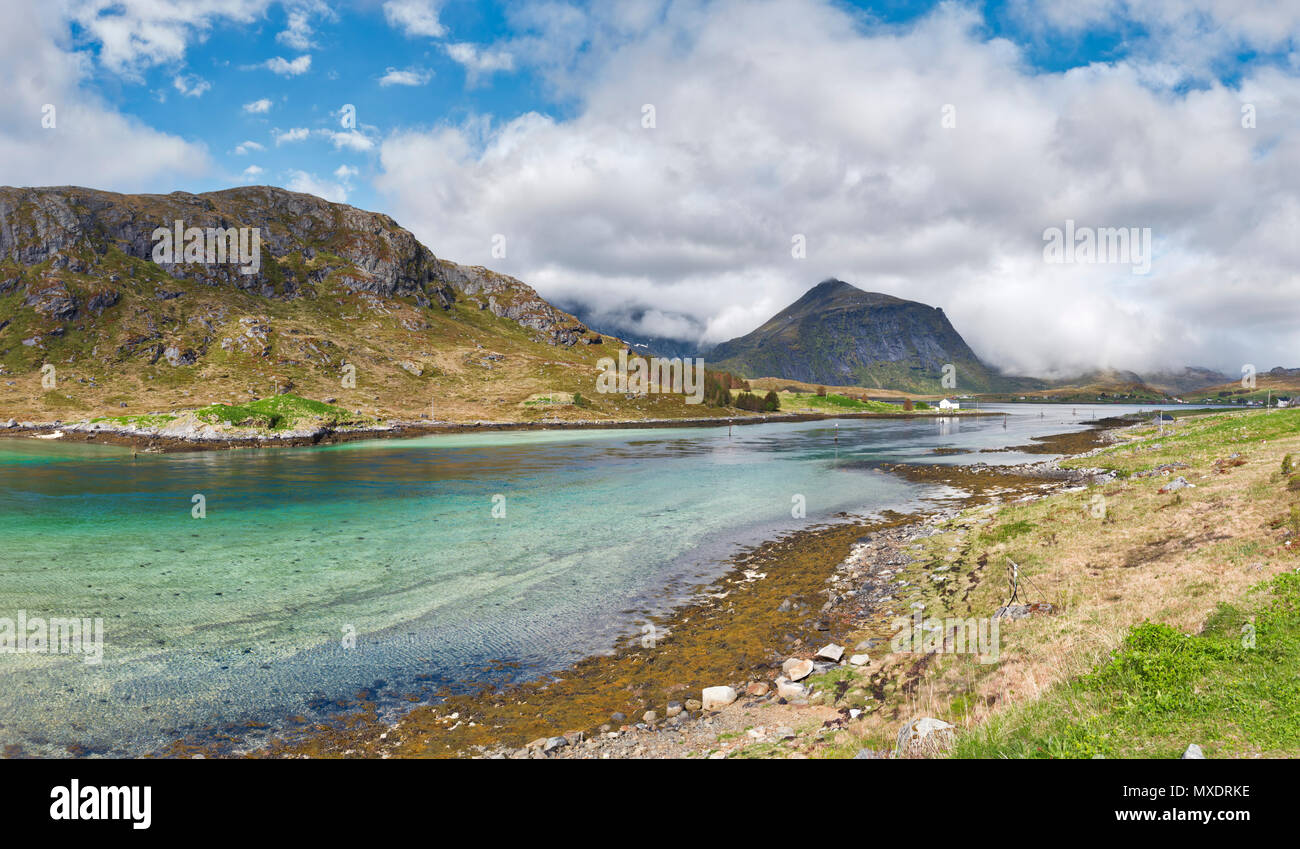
302 238
509 298
303 242
49 296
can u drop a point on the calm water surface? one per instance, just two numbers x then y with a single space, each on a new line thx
241 616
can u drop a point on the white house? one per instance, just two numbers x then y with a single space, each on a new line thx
945 404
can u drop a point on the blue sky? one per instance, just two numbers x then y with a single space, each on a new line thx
352 52
774 120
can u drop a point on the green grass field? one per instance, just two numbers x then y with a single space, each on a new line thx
791 401
279 412
1233 688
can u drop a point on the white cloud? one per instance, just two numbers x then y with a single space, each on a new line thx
90 143
258 106
189 85
349 140
415 17
409 76
345 172
479 62
799 117
296 134
298 34
285 68
243 148
135 34
251 173
1183 39
303 181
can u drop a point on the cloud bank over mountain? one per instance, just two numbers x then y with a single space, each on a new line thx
799 118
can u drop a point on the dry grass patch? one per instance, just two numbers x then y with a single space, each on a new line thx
1107 565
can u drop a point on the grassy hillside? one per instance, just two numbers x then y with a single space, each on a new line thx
1174 618
346 307
834 403
459 364
1216 668
1268 385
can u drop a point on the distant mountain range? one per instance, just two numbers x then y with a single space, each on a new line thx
646 345
1186 380
839 335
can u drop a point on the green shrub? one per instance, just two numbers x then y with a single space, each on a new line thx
1008 531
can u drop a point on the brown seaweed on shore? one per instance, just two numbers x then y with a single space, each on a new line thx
1077 442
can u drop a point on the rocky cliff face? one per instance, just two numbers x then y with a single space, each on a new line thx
837 334
508 298
307 245
329 300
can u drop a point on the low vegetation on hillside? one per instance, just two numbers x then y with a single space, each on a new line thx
280 412
1231 688
835 403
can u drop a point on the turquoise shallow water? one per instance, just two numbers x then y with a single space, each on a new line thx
241 616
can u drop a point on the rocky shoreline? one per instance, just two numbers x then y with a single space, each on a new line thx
732 669
861 594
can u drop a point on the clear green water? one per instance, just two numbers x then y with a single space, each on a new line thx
240 616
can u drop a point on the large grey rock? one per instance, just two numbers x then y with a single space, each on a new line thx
177 357
831 652
924 737
1193 753
797 669
715 698
790 690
